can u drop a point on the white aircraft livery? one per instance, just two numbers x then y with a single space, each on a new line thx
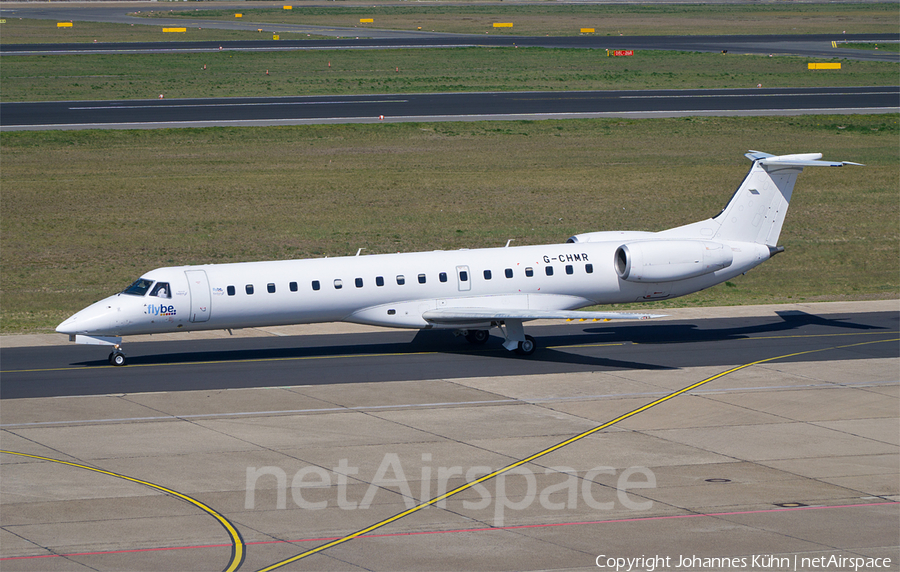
468 291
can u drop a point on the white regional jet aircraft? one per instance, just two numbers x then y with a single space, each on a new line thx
469 291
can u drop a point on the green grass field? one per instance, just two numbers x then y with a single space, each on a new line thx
541 18
34 31
86 212
568 19
233 74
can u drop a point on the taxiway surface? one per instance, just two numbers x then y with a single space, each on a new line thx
167 113
707 439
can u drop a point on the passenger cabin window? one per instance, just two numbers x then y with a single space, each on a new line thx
270 287
487 274
338 284
570 269
248 289
508 272
463 276
230 290
529 271
139 288
548 270
442 276
421 279
293 286
161 290
589 268
359 283
379 280
316 285
401 280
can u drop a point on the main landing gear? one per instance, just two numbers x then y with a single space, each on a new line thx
526 346
516 339
117 356
478 337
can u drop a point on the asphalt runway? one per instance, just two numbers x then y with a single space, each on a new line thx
444 106
168 113
680 444
401 355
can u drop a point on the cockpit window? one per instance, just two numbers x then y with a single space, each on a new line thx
161 290
139 288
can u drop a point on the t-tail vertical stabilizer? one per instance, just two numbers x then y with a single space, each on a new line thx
757 209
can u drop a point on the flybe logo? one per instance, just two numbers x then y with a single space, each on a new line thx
160 310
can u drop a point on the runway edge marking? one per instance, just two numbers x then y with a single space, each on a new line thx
547 451
237 542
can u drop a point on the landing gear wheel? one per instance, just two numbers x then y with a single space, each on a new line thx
527 347
477 337
117 358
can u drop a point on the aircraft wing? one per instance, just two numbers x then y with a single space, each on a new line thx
452 316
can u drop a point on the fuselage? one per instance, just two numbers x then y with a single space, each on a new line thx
386 290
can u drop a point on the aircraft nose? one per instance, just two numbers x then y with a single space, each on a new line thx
68 326
99 318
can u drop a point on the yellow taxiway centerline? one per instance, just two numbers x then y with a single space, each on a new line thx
546 451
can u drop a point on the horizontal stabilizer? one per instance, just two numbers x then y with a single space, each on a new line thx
796 160
757 209
472 315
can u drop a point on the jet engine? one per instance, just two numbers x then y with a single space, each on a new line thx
670 260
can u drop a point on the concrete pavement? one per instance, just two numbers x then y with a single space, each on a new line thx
767 464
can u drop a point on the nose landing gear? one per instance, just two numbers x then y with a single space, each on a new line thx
117 356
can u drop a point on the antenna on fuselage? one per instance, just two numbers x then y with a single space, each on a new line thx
360 250
508 241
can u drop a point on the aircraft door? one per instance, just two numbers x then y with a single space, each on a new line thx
200 298
464 278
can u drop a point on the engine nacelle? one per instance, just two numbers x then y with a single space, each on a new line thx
670 260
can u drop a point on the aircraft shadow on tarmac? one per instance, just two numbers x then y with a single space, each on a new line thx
425 342
552 348
690 333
